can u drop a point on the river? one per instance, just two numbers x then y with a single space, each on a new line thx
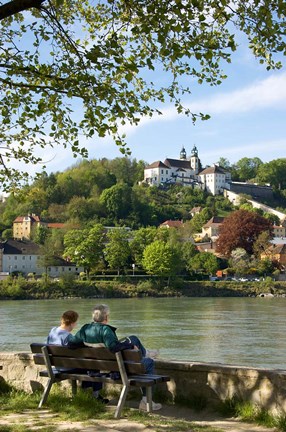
236 331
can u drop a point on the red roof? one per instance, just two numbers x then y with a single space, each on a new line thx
157 164
32 218
55 225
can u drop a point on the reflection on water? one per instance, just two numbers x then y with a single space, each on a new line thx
241 331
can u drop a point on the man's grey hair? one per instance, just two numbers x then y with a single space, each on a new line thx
100 312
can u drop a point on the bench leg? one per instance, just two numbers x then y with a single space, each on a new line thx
46 393
74 387
149 398
121 402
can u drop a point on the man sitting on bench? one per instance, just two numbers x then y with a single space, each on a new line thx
100 332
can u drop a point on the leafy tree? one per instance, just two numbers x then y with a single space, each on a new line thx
224 163
205 262
240 261
85 247
265 266
200 219
262 244
41 234
126 170
188 250
141 238
273 172
240 230
7 233
117 201
274 219
117 251
142 211
160 258
50 254
247 168
57 212
97 53
79 208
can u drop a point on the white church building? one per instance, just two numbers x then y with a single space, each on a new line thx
187 171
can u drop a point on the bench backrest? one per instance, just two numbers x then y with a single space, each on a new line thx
88 358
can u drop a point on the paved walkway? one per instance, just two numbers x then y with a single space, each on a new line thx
35 419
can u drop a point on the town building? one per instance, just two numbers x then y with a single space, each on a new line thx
187 171
182 171
23 226
24 256
172 224
212 227
276 253
214 179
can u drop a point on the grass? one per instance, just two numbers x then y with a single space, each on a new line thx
81 408
248 412
86 409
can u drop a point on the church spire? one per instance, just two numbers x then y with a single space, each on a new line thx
194 151
183 153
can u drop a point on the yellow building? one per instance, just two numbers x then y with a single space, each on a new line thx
24 225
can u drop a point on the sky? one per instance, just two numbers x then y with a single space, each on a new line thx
248 119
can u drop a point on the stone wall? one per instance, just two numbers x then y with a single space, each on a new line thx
208 382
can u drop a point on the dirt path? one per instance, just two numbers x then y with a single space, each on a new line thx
35 420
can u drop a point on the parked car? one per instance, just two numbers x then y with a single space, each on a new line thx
214 278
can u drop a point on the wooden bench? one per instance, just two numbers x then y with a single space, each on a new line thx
128 364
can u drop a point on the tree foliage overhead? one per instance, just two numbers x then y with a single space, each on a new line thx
103 57
240 230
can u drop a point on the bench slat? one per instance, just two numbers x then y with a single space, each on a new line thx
90 364
87 352
138 381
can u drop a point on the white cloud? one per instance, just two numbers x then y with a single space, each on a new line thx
266 150
262 94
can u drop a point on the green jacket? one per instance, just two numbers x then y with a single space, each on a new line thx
99 333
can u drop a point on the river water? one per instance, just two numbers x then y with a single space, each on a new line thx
236 331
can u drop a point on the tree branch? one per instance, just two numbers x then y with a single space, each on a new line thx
16 6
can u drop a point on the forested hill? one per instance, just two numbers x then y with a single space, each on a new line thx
107 191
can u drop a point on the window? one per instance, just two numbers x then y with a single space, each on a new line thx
15 258
166 171
23 258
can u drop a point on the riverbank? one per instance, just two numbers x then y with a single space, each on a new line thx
194 412
126 287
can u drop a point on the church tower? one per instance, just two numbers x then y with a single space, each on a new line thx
183 154
194 160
